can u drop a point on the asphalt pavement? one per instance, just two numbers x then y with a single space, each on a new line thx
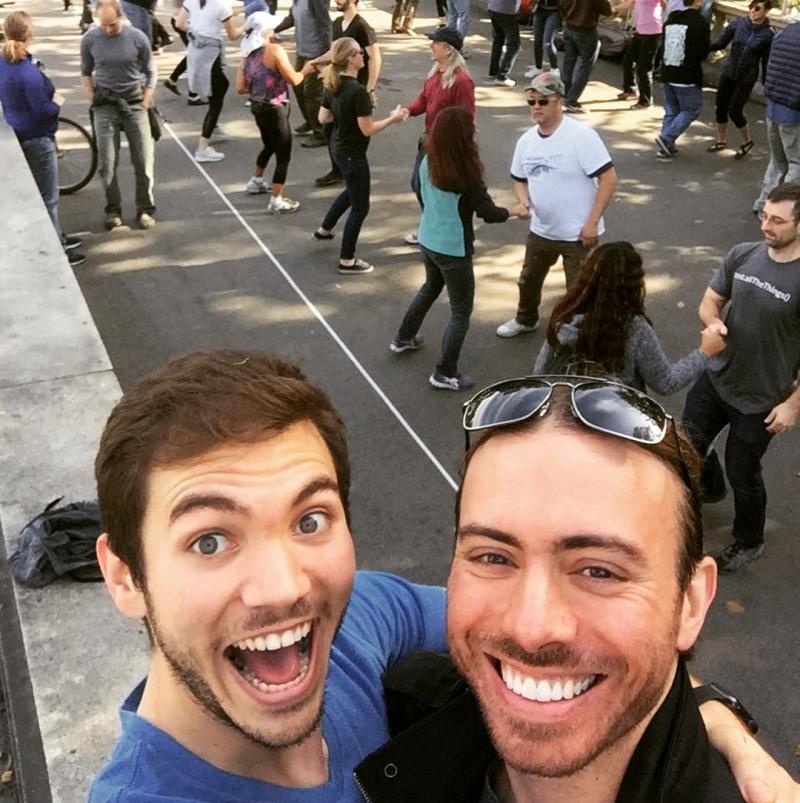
217 271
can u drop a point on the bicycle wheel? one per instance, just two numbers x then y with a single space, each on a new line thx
77 156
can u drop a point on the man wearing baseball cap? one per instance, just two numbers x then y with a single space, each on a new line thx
563 173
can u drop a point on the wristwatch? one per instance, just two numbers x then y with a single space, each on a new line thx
713 691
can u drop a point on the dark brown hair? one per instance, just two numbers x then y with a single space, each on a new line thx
787 192
454 164
675 451
190 406
609 292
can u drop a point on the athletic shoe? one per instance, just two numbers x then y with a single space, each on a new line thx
359 266
256 186
113 221
533 72
665 150
315 140
72 242
278 205
639 106
303 130
505 82
321 234
146 220
196 100
398 346
574 108
627 94
208 155
329 179
219 134
411 238
172 86
513 328
75 258
457 382
736 556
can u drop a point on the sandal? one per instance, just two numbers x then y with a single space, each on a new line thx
717 146
744 149
321 234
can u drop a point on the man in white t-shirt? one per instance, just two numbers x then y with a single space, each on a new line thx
564 175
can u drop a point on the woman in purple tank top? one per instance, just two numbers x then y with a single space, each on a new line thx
265 73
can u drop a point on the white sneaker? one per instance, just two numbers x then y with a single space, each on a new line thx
208 155
256 186
533 72
513 328
504 82
555 73
281 206
219 134
411 238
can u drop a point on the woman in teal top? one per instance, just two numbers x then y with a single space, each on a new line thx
450 187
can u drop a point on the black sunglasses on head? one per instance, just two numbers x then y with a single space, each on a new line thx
599 404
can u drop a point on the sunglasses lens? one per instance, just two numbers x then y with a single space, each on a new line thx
505 404
622 411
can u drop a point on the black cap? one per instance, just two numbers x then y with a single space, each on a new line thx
449 35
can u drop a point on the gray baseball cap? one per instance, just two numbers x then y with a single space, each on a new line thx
546 83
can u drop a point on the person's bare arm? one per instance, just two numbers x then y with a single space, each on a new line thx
325 116
521 193
233 30
606 185
710 310
784 416
370 127
759 778
242 85
375 64
285 67
87 85
182 20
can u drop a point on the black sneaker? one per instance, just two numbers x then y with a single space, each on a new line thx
172 86
457 382
196 100
574 108
329 179
398 346
359 266
316 140
303 130
75 258
71 243
736 556
664 149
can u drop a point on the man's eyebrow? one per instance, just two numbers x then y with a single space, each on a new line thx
596 541
478 530
209 501
321 483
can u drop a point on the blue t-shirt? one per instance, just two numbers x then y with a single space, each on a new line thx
782 115
387 618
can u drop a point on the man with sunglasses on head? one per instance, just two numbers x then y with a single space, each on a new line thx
754 300
569 622
563 173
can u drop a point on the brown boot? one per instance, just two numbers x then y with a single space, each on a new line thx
408 22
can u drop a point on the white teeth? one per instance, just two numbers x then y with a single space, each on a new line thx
544 691
275 641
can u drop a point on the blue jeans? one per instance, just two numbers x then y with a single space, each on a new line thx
545 25
682 106
40 154
580 54
458 16
505 43
456 273
355 197
109 121
139 17
704 417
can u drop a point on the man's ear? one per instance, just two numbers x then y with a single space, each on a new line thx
696 601
127 596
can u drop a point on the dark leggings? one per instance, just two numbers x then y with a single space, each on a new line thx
731 97
354 197
180 69
276 134
441 8
219 86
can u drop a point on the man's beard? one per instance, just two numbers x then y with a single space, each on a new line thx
184 669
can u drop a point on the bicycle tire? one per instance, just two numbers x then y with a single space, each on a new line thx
76 151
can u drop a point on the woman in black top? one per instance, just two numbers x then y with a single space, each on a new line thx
346 104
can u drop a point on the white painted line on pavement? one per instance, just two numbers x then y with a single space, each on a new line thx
317 314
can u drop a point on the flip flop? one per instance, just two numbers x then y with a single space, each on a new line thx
744 149
717 146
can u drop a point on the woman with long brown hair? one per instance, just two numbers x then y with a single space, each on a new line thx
347 105
600 327
31 107
450 188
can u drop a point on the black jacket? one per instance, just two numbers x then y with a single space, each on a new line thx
687 38
783 71
749 49
440 751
